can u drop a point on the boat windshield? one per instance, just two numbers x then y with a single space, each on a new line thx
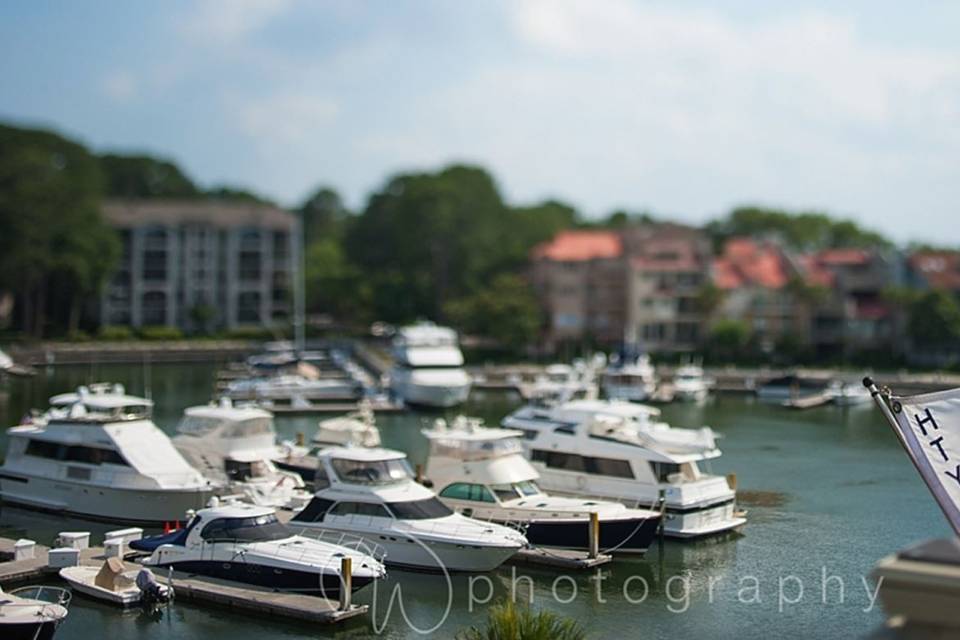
419 509
475 449
372 471
253 529
202 425
506 492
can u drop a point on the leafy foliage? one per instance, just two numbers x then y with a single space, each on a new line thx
142 176
509 621
802 231
934 319
506 310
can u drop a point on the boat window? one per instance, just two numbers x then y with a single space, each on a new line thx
664 470
359 509
475 449
419 509
197 425
251 427
239 471
372 471
505 492
253 529
527 488
466 491
320 479
74 453
314 511
583 464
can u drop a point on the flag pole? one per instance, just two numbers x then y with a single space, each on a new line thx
881 401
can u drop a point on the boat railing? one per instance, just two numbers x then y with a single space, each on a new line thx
459 530
41 597
342 539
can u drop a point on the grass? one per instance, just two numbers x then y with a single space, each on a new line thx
509 621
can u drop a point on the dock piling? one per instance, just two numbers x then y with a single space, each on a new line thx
594 535
346 582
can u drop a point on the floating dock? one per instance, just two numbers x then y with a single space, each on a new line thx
559 558
191 588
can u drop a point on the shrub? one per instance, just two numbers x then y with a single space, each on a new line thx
115 332
508 621
161 332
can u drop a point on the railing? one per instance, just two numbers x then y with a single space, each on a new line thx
41 598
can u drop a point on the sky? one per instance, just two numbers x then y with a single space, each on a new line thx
682 108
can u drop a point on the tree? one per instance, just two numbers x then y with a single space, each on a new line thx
143 176
55 249
934 320
709 298
505 311
324 215
808 230
728 338
236 194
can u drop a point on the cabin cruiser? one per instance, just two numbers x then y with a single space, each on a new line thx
620 451
235 445
246 543
689 383
481 472
561 382
358 428
33 612
371 493
429 367
99 455
632 379
292 390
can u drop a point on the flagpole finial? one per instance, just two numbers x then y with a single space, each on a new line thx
868 382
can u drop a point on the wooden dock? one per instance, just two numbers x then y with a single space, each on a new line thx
192 588
809 401
559 558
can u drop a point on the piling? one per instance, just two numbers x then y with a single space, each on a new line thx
346 582
594 535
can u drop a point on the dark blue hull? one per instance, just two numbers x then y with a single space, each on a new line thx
28 631
326 585
618 536
307 473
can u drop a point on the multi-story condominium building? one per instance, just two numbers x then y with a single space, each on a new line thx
580 279
200 264
668 266
934 270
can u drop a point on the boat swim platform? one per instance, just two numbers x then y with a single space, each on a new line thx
559 558
191 588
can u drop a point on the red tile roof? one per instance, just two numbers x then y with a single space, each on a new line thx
816 273
941 269
747 263
577 246
842 257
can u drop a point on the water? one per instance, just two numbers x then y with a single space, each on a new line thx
827 490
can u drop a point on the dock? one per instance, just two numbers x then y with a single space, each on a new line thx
559 558
191 588
809 401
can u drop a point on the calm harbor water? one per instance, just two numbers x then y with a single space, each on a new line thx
829 492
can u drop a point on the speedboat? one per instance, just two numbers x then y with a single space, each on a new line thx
372 494
429 367
690 384
246 543
113 583
481 472
98 454
32 613
847 394
357 429
235 445
632 379
621 451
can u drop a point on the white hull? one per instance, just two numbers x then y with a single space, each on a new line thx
82 578
690 394
441 396
630 393
101 502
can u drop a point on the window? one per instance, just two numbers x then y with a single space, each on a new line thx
505 492
664 469
419 509
359 509
583 464
154 308
74 453
239 471
372 471
248 307
254 529
465 491
314 511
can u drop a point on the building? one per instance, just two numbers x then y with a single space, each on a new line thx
200 265
668 266
580 280
934 270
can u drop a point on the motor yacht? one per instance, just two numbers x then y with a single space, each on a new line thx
371 493
33 612
246 543
235 445
358 429
99 455
562 382
620 451
292 390
481 472
429 367
630 378
689 383
848 394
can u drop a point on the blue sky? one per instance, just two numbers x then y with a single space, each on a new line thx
680 107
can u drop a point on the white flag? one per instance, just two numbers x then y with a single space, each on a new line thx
929 427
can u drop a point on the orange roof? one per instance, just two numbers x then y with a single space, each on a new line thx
747 263
577 246
842 257
941 269
816 273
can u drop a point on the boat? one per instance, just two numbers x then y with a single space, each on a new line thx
248 544
428 368
790 387
292 390
621 451
98 455
630 377
235 445
6 362
33 612
113 583
561 382
481 472
372 494
689 383
358 428
848 394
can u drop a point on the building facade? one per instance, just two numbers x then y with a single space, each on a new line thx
201 265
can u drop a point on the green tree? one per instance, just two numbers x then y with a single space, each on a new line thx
803 231
333 284
324 215
143 176
709 298
509 621
505 311
934 320
236 194
728 338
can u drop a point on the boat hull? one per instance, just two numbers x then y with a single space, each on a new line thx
621 536
432 396
29 630
326 585
94 502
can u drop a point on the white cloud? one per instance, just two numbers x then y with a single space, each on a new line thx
120 86
226 22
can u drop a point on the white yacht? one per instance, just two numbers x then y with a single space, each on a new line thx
99 455
848 394
429 367
358 428
561 382
5 361
481 472
33 612
293 390
371 493
246 543
690 383
632 379
235 445
619 451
